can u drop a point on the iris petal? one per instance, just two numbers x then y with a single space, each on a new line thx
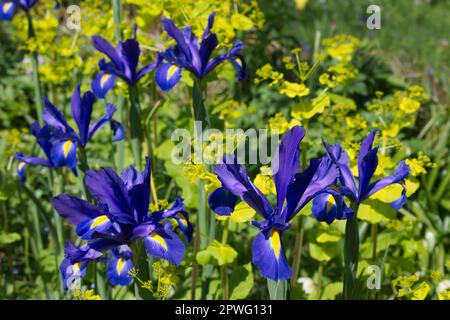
7 10
167 76
117 271
222 201
165 244
268 255
102 83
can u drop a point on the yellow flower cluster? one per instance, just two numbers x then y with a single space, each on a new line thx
87 295
337 75
231 18
341 47
403 286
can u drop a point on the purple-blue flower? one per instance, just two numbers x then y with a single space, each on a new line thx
330 205
120 218
7 10
294 190
60 141
57 146
189 54
123 62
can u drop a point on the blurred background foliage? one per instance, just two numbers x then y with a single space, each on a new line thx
395 78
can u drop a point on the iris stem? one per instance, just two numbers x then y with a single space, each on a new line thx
351 255
201 122
374 236
140 262
135 125
223 269
117 14
35 66
297 250
84 167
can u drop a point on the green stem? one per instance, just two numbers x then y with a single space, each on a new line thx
297 250
278 290
201 122
84 167
35 66
135 125
351 255
223 269
374 236
120 145
142 265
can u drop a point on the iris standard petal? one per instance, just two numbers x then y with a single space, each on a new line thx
75 210
341 159
209 26
117 271
130 54
286 162
82 112
102 83
366 168
222 201
108 188
233 177
165 244
7 10
178 36
167 75
320 174
54 117
139 197
207 47
268 255
106 48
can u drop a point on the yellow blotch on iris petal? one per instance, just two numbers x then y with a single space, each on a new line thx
120 265
7 6
330 202
171 71
275 241
160 240
182 219
66 147
99 221
238 61
104 79
20 165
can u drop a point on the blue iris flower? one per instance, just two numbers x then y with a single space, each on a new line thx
8 7
123 63
60 141
7 10
191 55
294 190
120 218
330 205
